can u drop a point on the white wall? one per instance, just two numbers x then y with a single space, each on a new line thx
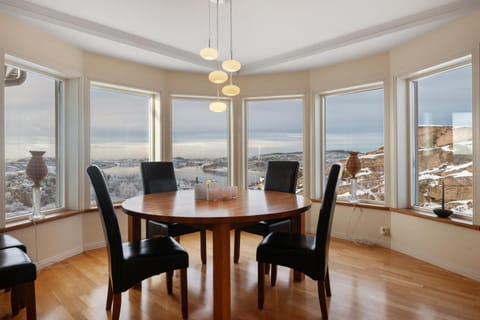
92 236
448 246
24 42
53 241
451 247
445 245
361 225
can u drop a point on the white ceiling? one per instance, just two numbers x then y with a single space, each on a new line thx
268 35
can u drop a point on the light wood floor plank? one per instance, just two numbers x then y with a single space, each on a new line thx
367 283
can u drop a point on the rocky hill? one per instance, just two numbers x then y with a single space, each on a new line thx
444 155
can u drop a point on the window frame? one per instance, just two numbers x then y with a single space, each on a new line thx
245 126
230 131
153 123
60 108
412 108
321 139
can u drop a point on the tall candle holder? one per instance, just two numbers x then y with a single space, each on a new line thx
36 170
442 212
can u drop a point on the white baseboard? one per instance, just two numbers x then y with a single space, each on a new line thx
67 254
59 257
365 240
456 268
94 245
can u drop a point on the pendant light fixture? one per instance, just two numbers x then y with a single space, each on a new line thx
231 65
218 76
231 90
217 105
209 53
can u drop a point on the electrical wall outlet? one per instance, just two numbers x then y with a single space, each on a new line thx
385 231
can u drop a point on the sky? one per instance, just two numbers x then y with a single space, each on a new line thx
30 117
282 132
354 121
453 98
198 132
119 130
119 124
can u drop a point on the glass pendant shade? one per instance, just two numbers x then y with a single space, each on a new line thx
231 65
217 106
218 76
209 53
231 90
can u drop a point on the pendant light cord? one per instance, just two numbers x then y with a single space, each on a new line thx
231 33
218 45
209 22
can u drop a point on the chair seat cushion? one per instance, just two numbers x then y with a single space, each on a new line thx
171 229
7 241
290 250
263 228
15 267
148 257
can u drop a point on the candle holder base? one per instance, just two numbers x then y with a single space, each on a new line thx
443 213
37 214
353 196
36 217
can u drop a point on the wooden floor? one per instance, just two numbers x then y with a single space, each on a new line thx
367 283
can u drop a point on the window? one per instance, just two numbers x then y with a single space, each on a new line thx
442 148
199 142
120 137
33 102
274 132
353 121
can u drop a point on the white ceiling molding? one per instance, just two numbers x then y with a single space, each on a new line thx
271 63
450 11
34 11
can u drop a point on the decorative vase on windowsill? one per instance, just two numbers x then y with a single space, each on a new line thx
353 165
36 170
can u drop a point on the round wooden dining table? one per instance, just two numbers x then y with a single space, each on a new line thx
220 217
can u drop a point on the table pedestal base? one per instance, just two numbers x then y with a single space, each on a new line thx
221 272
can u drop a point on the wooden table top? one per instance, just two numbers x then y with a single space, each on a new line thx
249 206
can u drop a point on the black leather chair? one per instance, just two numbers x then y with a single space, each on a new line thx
7 241
131 262
305 253
18 272
281 176
159 176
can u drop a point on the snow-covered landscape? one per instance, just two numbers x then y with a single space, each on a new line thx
446 159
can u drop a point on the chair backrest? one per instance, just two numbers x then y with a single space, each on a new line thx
324 225
281 176
111 229
158 176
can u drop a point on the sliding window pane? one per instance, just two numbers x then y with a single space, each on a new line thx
443 155
200 142
275 132
30 125
120 138
354 122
